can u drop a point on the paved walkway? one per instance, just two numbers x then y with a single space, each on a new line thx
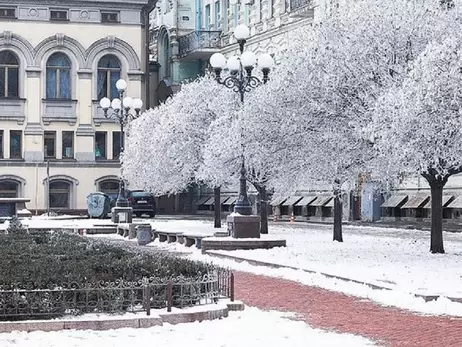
335 311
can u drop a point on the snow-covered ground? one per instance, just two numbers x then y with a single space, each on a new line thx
252 328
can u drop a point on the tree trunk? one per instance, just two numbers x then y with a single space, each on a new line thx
338 211
263 211
216 196
436 242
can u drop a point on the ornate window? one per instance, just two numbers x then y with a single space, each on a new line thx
9 75
108 73
59 194
58 77
9 189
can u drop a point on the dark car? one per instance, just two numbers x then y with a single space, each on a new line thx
142 203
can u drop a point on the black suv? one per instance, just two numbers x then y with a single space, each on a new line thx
142 202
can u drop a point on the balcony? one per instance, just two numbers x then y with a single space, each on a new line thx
301 8
199 44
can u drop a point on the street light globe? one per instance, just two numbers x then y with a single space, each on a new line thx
128 102
105 103
248 59
241 32
218 61
233 63
265 61
116 104
137 104
121 85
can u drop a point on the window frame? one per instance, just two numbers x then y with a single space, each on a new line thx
16 132
2 139
7 68
59 191
217 8
59 10
207 17
7 16
59 70
116 150
49 135
63 147
108 14
110 89
101 157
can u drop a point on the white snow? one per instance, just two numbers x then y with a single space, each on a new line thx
251 327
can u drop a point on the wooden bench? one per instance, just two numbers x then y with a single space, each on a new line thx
191 239
169 236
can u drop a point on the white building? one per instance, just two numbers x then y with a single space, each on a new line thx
57 59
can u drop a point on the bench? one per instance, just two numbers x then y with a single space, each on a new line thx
169 236
129 229
191 239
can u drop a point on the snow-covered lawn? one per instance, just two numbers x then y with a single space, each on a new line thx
252 328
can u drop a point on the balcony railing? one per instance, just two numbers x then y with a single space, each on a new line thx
198 40
299 4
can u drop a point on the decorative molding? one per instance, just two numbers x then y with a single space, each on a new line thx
109 45
66 178
33 129
33 72
13 110
21 46
57 110
61 41
85 130
85 74
107 178
135 75
14 178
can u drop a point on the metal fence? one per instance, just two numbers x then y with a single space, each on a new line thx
198 40
298 4
119 296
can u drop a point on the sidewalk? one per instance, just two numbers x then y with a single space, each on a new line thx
347 314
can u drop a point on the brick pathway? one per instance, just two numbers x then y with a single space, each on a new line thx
335 311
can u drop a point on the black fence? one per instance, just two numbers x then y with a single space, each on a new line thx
31 302
298 4
198 40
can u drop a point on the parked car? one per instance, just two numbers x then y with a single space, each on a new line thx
142 202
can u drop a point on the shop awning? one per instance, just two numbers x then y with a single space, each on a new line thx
394 201
446 200
209 202
457 203
416 201
330 203
203 200
292 201
321 200
277 201
305 201
230 201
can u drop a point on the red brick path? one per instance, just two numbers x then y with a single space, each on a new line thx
334 311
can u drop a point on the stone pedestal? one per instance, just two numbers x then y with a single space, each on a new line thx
240 226
122 214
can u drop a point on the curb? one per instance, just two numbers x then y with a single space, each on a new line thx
106 324
427 298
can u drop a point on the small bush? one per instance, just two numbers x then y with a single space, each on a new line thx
15 226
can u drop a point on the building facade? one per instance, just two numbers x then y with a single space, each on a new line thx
57 60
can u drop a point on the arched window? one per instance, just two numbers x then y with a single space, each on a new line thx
58 77
59 194
109 187
9 189
108 74
9 75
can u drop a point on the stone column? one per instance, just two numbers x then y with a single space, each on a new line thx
84 139
33 132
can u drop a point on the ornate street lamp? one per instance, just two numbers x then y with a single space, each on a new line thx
122 112
241 81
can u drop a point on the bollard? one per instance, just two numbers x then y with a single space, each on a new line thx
169 295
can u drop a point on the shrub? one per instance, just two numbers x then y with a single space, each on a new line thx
15 226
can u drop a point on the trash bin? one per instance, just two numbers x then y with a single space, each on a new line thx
144 234
98 205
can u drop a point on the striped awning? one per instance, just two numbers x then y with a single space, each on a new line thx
209 202
291 201
446 200
394 201
277 201
203 200
230 201
416 201
330 203
321 200
306 200
457 203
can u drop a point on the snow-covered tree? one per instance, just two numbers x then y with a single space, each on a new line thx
322 95
165 145
419 122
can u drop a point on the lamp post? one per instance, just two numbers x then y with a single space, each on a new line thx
241 81
121 111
